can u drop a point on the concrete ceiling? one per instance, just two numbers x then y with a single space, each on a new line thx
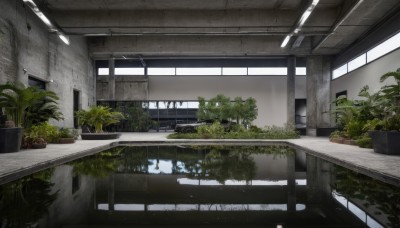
217 27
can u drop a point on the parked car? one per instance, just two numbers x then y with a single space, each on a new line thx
191 127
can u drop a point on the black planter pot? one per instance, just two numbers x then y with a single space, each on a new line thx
386 142
99 136
10 139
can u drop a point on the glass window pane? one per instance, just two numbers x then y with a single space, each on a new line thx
339 71
267 71
301 71
193 104
234 71
199 71
384 48
103 71
161 71
357 62
129 71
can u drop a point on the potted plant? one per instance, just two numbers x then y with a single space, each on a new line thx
14 99
33 139
25 106
66 136
386 134
99 117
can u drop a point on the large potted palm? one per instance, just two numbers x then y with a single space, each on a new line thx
14 99
24 107
99 117
386 135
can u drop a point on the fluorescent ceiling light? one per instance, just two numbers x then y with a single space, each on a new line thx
306 14
285 41
64 38
50 26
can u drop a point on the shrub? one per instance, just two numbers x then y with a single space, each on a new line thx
354 128
364 142
286 132
214 130
46 131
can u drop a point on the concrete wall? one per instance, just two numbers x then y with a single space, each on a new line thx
366 75
269 91
126 88
25 43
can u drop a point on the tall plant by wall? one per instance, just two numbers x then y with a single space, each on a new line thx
28 105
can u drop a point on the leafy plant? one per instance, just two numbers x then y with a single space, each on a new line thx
41 133
210 131
67 133
28 106
364 141
99 117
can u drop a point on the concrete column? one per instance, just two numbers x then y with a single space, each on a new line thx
291 183
291 89
318 93
111 79
111 192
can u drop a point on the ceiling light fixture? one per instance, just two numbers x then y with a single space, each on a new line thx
306 14
52 27
285 41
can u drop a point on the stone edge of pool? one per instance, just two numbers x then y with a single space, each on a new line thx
16 174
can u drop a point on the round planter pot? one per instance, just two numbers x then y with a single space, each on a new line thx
99 136
39 146
66 140
11 139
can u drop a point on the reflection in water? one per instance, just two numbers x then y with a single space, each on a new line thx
25 201
198 185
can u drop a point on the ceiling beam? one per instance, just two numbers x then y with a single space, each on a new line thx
342 17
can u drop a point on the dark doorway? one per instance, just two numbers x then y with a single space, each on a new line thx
343 93
301 115
76 107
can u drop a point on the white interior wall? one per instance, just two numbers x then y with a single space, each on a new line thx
269 92
366 75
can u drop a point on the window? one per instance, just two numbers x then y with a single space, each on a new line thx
161 71
384 48
380 50
103 71
267 71
199 71
129 71
301 71
234 71
339 71
357 62
37 83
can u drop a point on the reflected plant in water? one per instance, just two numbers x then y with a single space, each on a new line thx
99 165
25 201
375 194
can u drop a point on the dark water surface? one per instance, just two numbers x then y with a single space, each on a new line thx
199 186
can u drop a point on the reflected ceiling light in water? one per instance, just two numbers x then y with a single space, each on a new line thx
199 207
188 181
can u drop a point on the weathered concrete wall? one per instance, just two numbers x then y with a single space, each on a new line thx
126 88
8 63
26 44
318 93
269 91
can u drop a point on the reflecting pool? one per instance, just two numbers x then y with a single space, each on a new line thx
241 186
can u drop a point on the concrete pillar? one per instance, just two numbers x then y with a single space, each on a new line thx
318 93
111 192
291 76
291 183
111 79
